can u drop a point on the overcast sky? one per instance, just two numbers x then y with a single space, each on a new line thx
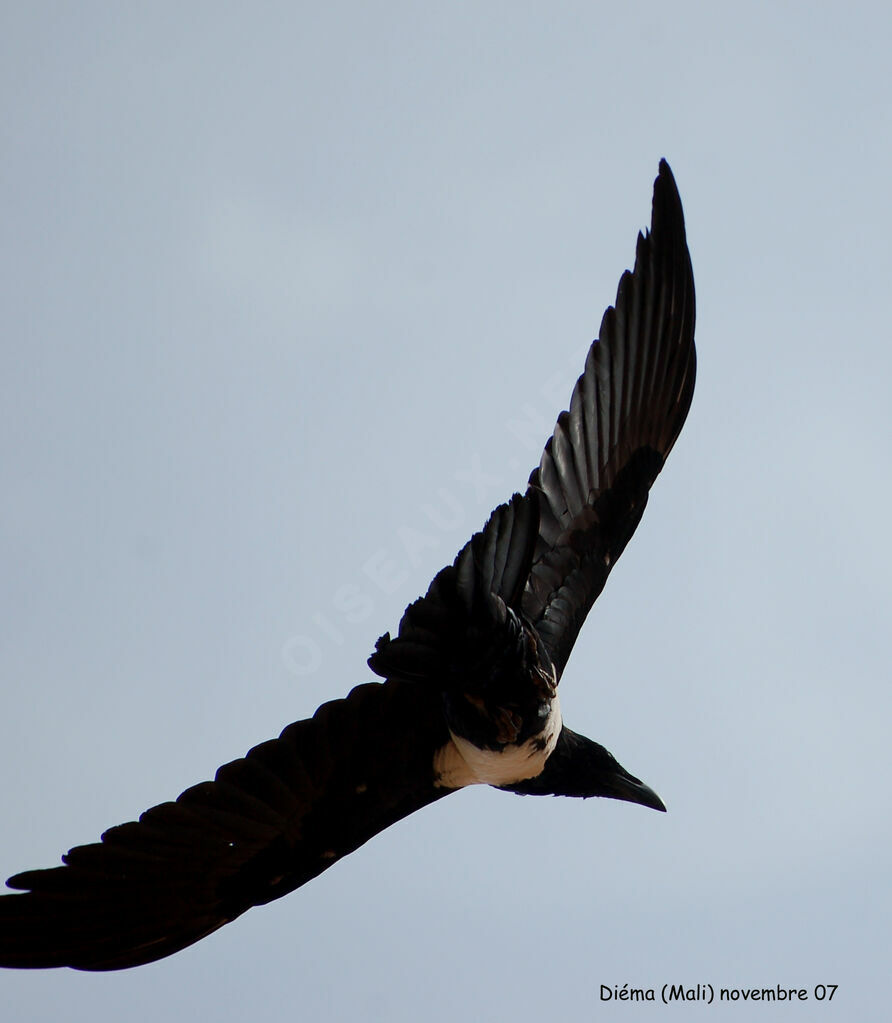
282 291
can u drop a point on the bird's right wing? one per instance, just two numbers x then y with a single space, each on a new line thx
549 552
264 826
450 634
625 413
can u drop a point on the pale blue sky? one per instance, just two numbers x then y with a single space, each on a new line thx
277 286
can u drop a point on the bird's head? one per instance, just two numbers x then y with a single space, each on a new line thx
583 768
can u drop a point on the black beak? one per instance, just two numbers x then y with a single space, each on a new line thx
622 785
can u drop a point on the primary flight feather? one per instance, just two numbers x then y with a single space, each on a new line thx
470 691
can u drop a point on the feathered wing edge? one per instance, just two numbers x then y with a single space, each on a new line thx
625 414
446 634
548 553
265 825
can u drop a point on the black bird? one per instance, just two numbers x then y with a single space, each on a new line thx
470 690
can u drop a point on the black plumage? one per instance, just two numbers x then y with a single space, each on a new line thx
470 690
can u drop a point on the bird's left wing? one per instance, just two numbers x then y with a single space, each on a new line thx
264 826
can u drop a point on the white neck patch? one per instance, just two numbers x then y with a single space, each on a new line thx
460 762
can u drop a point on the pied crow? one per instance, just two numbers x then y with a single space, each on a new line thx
470 690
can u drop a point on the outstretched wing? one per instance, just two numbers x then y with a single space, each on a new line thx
549 552
625 413
454 633
264 826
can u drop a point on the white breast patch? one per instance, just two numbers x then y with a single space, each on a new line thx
460 762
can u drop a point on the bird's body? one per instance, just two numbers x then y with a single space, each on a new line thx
461 762
470 691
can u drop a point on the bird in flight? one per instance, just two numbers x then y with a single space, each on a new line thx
470 690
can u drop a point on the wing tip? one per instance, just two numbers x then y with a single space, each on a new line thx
667 215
